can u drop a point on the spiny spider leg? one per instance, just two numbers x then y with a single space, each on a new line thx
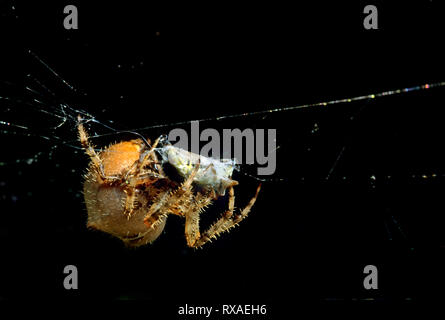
89 149
133 181
181 196
226 222
192 233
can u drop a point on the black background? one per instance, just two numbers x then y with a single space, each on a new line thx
308 238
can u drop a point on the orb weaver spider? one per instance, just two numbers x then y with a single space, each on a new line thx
129 196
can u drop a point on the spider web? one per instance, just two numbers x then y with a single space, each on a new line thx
44 96
58 120
56 127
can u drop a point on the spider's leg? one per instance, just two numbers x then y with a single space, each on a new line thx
133 181
131 189
156 210
192 233
174 202
89 149
225 223
149 154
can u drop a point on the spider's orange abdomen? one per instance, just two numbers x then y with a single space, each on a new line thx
119 157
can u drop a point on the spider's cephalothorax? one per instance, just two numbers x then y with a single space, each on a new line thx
129 196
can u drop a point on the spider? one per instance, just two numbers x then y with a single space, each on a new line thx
128 194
